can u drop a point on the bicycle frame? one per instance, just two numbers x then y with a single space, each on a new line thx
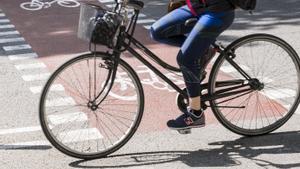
127 34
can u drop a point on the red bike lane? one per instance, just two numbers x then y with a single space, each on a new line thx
52 34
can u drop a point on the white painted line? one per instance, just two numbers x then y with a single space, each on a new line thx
7 40
67 118
22 56
67 101
9 33
230 69
147 26
16 47
141 21
55 87
111 5
6 26
106 1
4 20
2 14
142 15
80 135
25 144
19 130
42 76
279 93
30 66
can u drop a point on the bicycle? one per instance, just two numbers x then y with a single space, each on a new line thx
35 5
250 90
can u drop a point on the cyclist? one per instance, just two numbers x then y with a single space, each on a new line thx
214 17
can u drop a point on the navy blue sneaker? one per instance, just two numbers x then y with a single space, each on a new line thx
187 120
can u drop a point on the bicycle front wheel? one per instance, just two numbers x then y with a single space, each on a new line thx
272 62
81 127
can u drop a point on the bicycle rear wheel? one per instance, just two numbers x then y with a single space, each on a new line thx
275 64
78 127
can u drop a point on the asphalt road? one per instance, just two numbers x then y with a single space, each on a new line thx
47 37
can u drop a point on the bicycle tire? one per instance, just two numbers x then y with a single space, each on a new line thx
48 128
270 100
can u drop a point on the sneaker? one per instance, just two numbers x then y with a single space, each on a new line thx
186 121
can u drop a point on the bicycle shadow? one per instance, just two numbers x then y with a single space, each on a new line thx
227 154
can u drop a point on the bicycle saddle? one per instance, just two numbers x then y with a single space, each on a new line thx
136 4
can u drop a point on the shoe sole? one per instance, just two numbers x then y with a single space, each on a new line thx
189 127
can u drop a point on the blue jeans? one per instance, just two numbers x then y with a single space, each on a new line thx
194 41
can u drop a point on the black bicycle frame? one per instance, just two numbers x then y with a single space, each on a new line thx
229 55
233 84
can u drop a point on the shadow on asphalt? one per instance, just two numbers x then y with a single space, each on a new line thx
24 147
227 154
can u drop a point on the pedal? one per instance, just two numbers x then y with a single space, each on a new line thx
185 131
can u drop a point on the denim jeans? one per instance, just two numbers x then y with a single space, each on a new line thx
193 41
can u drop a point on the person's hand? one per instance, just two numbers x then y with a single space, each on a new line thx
173 4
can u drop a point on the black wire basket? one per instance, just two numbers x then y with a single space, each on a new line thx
98 25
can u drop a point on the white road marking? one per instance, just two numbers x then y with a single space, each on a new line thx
67 118
19 130
16 47
55 87
142 15
30 66
106 1
9 33
2 14
7 40
4 20
80 135
142 21
42 76
22 56
230 69
111 5
25 144
66 101
6 26
147 26
279 93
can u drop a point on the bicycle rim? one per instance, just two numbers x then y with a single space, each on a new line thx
65 110
274 63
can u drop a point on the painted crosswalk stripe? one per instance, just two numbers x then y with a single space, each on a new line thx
279 93
9 33
22 56
67 118
6 26
25 144
230 69
2 14
7 40
147 26
16 47
19 130
66 101
111 5
141 21
106 1
142 15
4 21
55 87
42 76
80 135
30 66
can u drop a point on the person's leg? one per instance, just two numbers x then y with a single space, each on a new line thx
170 28
204 33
